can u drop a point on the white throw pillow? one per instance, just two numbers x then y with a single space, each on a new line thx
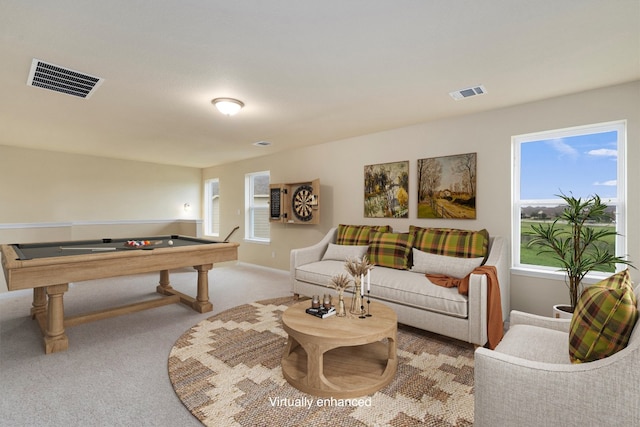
344 252
426 263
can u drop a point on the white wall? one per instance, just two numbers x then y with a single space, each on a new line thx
340 165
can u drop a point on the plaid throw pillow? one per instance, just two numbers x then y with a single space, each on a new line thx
451 242
390 249
603 319
357 234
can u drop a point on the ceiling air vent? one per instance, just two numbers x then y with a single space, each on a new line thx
60 79
468 92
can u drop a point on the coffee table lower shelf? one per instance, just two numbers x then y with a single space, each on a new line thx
342 372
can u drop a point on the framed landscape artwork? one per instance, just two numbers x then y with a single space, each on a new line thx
447 187
386 190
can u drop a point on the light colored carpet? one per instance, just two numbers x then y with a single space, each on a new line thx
226 370
115 371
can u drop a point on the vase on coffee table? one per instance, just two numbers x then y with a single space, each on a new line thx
357 306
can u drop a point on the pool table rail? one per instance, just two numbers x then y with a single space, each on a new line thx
38 272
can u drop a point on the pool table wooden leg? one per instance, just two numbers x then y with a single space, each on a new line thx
164 286
55 338
202 304
39 304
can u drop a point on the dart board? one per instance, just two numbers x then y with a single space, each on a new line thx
302 202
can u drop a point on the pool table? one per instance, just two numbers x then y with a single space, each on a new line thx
49 267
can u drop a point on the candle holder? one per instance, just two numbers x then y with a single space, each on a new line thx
326 301
369 303
315 301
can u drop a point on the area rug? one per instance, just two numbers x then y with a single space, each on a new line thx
226 371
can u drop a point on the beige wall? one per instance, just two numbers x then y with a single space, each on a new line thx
339 166
42 186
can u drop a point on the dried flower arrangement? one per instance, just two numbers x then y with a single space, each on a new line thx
358 267
340 283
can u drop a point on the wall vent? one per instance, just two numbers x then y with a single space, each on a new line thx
60 79
468 92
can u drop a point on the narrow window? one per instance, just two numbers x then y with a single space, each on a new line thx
212 207
257 226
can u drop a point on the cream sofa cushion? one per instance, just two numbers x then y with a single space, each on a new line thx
400 286
426 263
344 252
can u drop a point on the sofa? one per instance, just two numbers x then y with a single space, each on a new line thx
529 379
417 301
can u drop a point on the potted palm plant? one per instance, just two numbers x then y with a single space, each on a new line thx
576 243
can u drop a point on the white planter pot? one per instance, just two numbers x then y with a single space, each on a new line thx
559 313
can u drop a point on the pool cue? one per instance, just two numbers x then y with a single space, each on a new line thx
74 248
226 240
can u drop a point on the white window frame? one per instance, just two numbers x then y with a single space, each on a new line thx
251 208
211 209
620 201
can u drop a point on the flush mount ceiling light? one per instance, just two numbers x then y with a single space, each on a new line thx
228 106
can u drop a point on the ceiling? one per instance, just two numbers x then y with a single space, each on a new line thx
308 71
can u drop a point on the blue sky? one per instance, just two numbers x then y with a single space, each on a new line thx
582 165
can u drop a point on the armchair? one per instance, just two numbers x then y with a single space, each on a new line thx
528 380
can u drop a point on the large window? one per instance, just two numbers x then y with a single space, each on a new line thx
212 207
582 161
257 206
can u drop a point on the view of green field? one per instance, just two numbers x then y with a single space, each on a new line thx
529 255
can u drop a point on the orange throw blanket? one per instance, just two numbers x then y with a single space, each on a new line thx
495 327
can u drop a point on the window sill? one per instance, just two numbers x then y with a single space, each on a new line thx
589 279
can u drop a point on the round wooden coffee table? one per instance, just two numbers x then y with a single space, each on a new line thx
341 357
